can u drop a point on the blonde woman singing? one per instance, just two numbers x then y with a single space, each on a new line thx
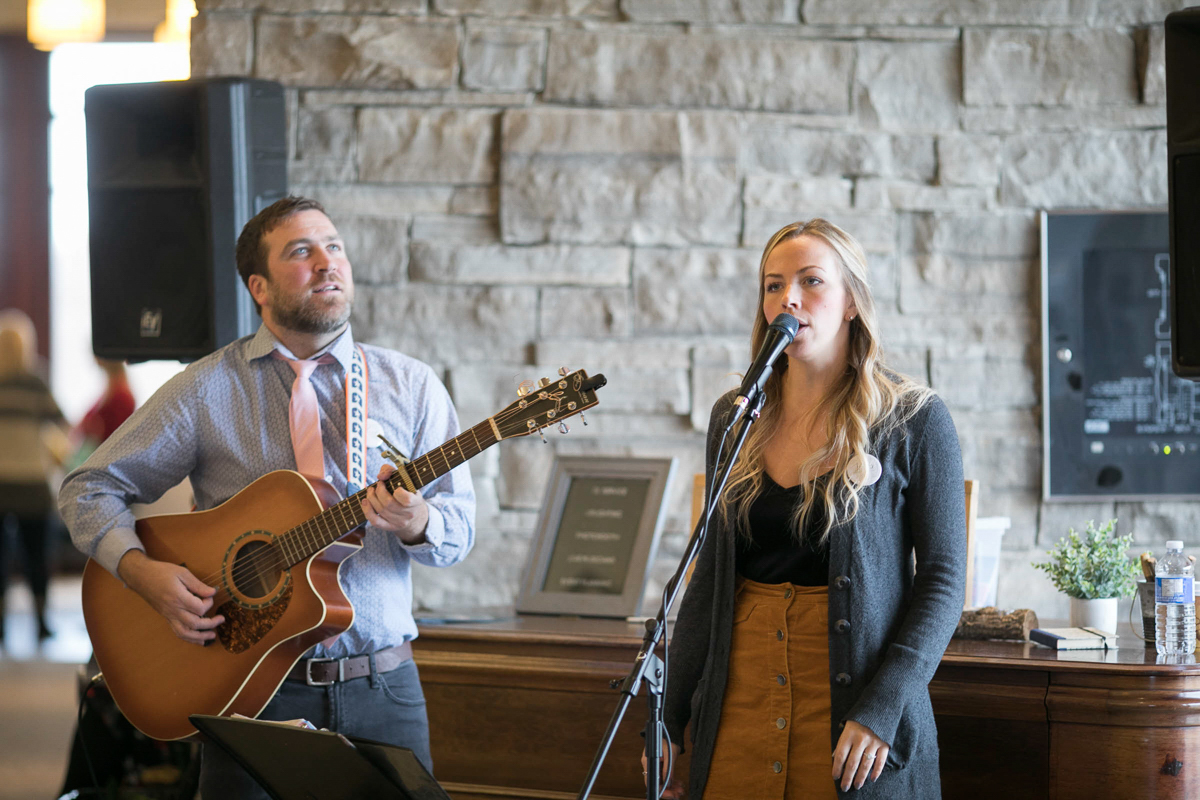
805 629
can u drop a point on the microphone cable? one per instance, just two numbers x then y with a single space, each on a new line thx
669 753
83 744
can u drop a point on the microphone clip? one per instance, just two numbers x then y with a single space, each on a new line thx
743 405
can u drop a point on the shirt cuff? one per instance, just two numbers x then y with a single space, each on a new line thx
115 544
435 533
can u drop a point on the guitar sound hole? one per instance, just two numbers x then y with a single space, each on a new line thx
256 569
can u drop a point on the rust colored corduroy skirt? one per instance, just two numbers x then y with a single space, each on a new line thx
773 741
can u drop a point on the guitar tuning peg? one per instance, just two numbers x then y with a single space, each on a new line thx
544 382
542 433
562 371
583 419
562 428
524 388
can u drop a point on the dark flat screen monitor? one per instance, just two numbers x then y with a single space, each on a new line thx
1119 423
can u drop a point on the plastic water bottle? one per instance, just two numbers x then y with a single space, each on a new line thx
1174 603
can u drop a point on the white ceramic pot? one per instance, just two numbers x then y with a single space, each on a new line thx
1100 614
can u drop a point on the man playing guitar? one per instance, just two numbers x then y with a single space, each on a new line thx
224 422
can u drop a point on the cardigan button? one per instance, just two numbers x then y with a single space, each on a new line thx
843 679
842 626
779 635
777 767
841 582
782 679
781 723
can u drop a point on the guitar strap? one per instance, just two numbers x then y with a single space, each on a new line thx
356 434
356 423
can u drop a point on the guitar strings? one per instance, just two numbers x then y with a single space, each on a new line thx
314 530
273 559
308 532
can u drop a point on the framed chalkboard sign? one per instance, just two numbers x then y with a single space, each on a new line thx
1118 422
596 535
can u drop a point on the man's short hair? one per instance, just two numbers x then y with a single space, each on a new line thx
251 253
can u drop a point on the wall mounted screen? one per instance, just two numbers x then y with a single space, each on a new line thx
1118 422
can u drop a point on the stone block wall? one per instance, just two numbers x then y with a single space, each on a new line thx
525 184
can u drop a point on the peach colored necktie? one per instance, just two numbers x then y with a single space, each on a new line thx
304 419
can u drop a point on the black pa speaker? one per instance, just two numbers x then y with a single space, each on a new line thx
175 169
1182 36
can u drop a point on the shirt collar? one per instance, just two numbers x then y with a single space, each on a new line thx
264 343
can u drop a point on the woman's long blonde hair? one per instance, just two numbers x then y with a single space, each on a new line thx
868 398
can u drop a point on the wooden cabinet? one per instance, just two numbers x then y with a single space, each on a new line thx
1018 720
517 710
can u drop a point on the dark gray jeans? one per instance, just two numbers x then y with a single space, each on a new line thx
388 707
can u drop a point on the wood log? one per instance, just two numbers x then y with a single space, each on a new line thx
1148 564
990 622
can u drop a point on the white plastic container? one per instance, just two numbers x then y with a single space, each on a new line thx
989 532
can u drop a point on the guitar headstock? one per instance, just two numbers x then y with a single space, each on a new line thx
548 402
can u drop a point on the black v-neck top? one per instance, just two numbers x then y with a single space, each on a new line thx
773 554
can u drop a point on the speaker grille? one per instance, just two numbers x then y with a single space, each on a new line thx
175 169
149 249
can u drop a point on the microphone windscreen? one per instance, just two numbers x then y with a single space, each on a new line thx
786 323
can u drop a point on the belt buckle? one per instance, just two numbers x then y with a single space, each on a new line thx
308 678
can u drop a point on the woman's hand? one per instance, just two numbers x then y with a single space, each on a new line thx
674 789
859 754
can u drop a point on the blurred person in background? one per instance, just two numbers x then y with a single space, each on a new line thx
33 431
113 407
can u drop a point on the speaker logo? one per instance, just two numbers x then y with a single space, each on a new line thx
151 323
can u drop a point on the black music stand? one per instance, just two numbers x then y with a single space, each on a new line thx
293 763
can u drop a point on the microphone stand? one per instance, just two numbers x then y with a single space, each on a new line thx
648 667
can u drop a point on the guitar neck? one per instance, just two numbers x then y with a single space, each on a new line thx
336 521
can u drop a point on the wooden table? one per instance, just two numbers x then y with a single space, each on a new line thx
518 707
1016 720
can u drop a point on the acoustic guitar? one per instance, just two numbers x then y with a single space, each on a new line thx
273 551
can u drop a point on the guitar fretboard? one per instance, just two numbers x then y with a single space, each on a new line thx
336 521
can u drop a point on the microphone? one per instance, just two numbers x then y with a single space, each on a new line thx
780 334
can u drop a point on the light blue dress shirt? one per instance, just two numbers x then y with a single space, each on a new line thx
223 423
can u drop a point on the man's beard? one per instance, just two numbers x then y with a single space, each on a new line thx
310 316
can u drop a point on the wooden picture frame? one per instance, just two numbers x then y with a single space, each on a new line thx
596 536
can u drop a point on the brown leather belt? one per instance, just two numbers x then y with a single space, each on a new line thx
327 671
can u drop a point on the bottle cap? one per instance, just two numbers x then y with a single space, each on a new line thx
1174 544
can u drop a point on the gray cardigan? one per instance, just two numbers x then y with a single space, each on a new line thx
888 627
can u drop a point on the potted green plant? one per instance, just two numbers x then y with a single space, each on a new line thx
1094 570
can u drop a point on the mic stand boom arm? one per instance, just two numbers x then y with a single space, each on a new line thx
648 666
